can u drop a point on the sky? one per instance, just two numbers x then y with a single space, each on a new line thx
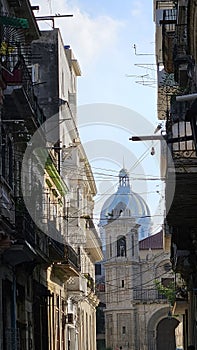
102 35
113 42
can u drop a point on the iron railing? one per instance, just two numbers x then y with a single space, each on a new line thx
16 72
71 256
147 295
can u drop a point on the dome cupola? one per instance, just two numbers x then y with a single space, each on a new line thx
126 204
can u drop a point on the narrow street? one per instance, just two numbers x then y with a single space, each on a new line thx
98 175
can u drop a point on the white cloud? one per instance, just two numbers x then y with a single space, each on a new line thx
90 38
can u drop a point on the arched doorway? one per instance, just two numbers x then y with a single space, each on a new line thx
155 329
165 338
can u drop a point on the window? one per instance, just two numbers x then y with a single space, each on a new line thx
98 269
167 282
123 330
122 283
167 267
121 246
110 248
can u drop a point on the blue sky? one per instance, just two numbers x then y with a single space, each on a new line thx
102 35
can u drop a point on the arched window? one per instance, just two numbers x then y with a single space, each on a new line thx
121 246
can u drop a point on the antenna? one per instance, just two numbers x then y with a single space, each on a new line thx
142 54
147 79
51 18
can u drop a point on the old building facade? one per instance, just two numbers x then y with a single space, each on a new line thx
48 242
176 62
135 310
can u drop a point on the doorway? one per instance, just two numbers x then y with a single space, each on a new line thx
166 334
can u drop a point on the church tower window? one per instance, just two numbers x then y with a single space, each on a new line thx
110 248
121 246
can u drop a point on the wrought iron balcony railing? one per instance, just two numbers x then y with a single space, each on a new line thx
16 73
147 295
71 256
168 33
179 132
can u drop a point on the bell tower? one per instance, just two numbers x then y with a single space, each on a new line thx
121 223
121 272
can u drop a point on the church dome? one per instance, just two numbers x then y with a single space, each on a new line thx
125 202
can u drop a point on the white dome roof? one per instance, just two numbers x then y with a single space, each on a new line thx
128 202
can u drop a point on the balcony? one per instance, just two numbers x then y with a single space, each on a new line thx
93 242
27 233
184 67
56 250
20 252
7 210
168 35
65 260
20 101
23 20
72 257
183 61
180 142
181 178
182 245
25 227
181 211
145 295
181 298
92 297
53 230
182 223
181 31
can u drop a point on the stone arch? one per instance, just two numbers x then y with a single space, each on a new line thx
166 334
158 316
119 209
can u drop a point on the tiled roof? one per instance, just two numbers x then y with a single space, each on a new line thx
153 242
